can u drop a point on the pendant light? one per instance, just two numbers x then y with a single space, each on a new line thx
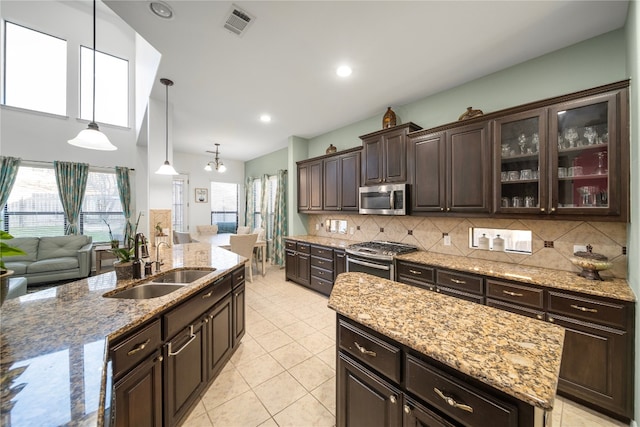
91 137
166 168
217 163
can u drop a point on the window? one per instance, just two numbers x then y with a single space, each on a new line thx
258 222
224 206
35 70
112 88
178 207
34 207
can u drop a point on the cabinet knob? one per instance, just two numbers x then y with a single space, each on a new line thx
551 319
539 316
441 209
448 209
159 359
553 209
407 409
542 209
393 399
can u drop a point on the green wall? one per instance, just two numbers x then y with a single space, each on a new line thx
268 164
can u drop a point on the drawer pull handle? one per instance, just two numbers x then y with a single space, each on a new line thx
459 282
551 319
407 409
393 399
539 316
320 262
207 295
138 348
159 359
451 401
513 294
364 350
579 307
193 337
416 272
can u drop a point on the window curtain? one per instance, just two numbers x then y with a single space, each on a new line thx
72 183
8 172
124 191
280 226
249 203
264 207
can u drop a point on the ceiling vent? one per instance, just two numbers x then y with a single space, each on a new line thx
238 20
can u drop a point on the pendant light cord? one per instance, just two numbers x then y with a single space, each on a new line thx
166 124
93 115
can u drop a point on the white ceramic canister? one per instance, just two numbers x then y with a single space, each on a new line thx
483 242
498 243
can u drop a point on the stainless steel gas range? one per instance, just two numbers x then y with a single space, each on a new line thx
375 257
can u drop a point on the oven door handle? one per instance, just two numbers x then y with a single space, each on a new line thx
369 264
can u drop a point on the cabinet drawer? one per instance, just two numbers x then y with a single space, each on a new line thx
303 247
322 252
459 400
238 276
290 245
321 273
327 264
181 316
522 295
128 353
416 272
478 299
591 310
321 285
523 311
464 282
371 350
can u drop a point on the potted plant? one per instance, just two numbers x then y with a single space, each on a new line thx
114 242
124 264
159 231
6 250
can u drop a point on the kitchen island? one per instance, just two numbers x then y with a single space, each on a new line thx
55 344
438 354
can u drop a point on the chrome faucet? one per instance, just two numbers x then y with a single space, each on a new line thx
158 262
137 262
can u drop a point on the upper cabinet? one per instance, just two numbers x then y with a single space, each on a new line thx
310 185
451 170
385 155
565 159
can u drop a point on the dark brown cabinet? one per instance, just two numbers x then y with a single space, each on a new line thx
314 266
321 269
339 262
220 334
298 262
341 182
310 186
239 322
416 415
384 158
139 395
451 170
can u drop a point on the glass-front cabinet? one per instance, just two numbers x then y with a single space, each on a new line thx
584 156
521 152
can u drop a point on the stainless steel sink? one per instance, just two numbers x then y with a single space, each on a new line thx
146 291
181 276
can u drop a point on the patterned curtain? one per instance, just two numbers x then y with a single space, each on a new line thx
8 172
249 204
280 227
124 191
264 206
72 182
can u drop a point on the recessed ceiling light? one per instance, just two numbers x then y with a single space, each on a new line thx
343 71
265 118
161 9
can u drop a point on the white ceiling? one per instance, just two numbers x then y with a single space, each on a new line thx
284 64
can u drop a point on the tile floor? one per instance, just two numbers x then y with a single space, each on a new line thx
283 373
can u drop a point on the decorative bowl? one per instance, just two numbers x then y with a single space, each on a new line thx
591 263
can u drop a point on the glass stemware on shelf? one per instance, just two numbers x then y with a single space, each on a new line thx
601 169
571 135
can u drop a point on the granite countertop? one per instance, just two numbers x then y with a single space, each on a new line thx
496 347
325 241
53 343
613 288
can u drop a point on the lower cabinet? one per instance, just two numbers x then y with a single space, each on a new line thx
298 262
416 415
238 300
219 336
139 395
313 266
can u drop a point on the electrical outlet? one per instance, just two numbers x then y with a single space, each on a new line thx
350 230
317 227
579 248
447 240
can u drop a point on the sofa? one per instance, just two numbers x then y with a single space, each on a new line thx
49 259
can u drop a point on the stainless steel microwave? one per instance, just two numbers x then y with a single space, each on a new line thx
388 199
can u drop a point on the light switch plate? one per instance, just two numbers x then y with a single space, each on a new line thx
579 248
447 240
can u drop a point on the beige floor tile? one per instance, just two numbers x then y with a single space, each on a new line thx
273 340
312 372
298 330
328 356
317 342
226 386
260 328
242 411
291 355
248 350
330 331
326 394
575 415
269 423
201 420
307 412
257 371
279 392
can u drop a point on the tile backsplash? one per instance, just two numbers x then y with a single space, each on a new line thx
607 238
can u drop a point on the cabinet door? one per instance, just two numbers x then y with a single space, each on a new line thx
315 185
340 262
332 185
350 182
416 415
395 156
428 170
138 395
520 154
219 336
238 314
303 187
304 269
372 167
469 169
291 265
585 141
185 372
595 365
364 399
